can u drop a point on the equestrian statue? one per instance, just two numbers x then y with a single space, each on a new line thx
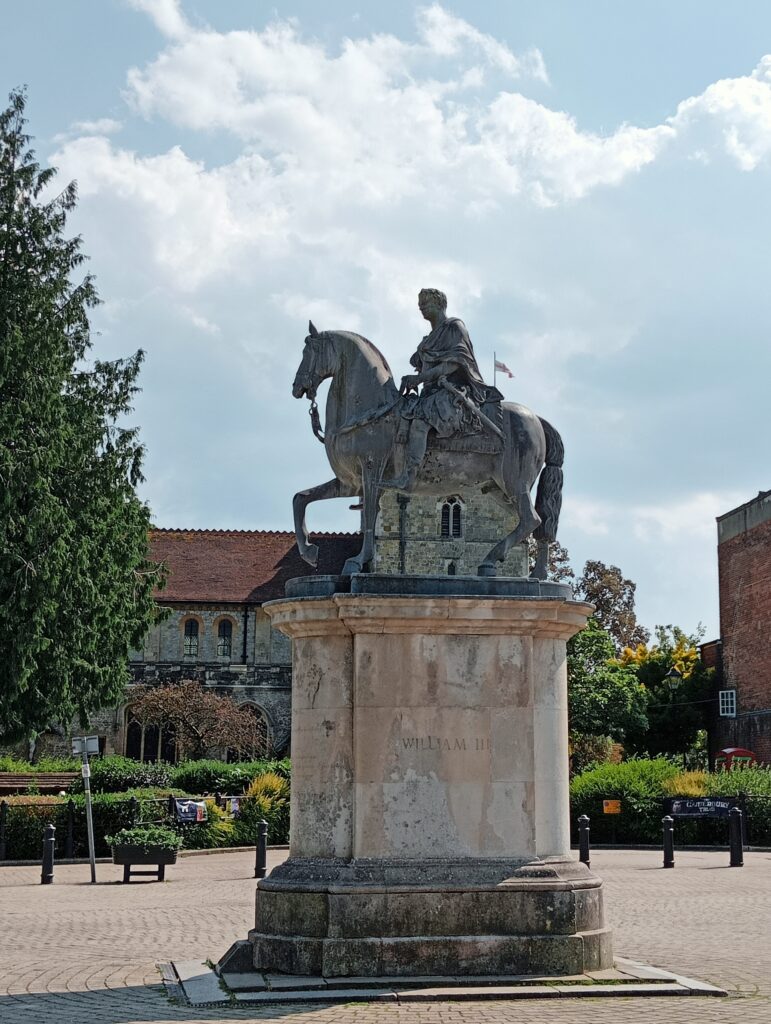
444 431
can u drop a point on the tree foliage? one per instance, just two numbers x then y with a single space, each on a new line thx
613 598
677 706
75 585
201 719
559 568
604 698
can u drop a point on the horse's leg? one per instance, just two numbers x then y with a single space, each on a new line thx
371 485
540 570
331 489
529 520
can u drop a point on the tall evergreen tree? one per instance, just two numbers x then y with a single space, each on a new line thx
75 583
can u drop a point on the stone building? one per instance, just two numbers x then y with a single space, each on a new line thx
742 656
216 631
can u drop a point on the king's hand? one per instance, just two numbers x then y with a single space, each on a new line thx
409 383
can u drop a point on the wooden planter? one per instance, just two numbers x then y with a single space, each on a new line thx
130 855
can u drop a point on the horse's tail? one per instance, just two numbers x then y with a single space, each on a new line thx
548 499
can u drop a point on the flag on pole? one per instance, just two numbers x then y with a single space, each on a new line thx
503 368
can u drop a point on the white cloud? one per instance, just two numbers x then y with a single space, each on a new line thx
102 126
167 15
689 517
739 109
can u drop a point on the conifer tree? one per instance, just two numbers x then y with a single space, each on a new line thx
75 583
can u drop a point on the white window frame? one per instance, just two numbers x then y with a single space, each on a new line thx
727 703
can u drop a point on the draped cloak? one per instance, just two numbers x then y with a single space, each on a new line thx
448 343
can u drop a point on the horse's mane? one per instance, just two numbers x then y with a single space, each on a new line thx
369 350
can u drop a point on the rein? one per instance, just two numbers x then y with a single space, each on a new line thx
316 420
364 421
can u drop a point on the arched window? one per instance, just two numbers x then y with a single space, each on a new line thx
452 569
451 522
224 638
190 644
148 741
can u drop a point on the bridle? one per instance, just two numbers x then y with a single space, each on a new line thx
310 391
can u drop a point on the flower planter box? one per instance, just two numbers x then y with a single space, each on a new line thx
130 855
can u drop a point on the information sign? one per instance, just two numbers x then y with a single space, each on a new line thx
611 807
701 807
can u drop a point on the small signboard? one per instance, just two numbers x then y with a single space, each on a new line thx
190 810
611 807
701 807
90 743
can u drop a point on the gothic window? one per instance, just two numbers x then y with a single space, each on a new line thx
225 638
190 645
452 569
149 741
451 521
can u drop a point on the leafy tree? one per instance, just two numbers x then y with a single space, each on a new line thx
200 719
75 585
605 698
677 705
613 598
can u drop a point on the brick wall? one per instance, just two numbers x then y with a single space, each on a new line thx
744 564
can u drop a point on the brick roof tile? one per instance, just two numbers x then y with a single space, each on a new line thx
240 566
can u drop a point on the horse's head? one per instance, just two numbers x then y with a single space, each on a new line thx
313 369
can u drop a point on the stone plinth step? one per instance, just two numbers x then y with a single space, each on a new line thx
202 986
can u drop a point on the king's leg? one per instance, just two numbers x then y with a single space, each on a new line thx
416 452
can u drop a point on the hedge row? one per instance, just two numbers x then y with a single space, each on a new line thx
120 774
641 787
26 818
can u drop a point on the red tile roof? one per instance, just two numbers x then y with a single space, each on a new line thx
240 566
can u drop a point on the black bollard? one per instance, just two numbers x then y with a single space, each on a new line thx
3 819
735 838
583 840
669 841
261 858
49 838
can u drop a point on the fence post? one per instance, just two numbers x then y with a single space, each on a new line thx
133 811
49 839
669 840
735 838
261 858
217 798
171 807
3 819
583 840
69 839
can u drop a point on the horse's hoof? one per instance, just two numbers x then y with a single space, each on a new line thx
311 555
351 567
487 569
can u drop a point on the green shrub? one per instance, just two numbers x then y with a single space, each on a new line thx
146 836
13 764
56 764
266 799
637 784
116 774
209 776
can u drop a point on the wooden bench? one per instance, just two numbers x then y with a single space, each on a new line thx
46 782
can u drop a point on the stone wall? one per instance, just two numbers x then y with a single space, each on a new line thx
409 539
744 563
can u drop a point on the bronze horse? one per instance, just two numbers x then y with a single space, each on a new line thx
362 419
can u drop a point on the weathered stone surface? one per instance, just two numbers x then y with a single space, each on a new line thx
430 803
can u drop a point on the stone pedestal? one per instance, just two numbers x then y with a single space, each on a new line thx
430 818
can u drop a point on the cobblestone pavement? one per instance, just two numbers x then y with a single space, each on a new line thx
73 953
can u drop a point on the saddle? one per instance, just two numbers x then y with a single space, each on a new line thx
483 441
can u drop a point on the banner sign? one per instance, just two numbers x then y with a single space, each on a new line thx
700 807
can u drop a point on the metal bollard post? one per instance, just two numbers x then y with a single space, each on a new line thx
69 840
735 838
669 841
3 819
583 840
261 858
49 838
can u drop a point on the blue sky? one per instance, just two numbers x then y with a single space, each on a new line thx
589 183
